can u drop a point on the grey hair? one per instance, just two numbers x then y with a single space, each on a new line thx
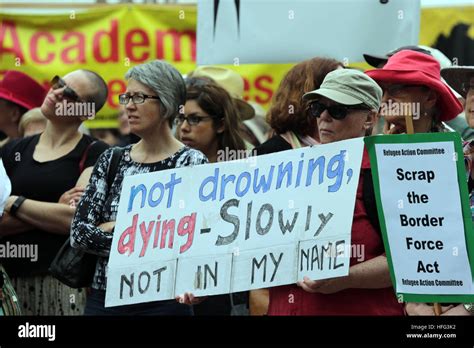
165 81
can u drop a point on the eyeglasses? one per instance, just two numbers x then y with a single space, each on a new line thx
466 86
337 112
138 98
68 93
192 120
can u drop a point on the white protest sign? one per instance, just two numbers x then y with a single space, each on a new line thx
286 31
420 195
234 226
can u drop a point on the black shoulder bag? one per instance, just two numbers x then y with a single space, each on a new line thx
74 267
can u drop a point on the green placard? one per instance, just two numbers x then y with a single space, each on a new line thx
371 142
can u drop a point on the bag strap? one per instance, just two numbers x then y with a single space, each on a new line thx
113 166
2 277
292 139
84 156
9 304
296 141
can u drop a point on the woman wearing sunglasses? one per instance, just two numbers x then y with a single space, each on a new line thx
292 126
155 92
49 172
345 106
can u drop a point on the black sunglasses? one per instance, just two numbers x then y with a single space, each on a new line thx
337 112
68 92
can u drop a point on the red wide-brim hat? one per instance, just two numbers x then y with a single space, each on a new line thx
21 89
415 68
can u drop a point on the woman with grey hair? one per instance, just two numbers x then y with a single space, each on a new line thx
152 100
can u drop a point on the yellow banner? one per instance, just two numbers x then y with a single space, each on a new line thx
109 40
436 22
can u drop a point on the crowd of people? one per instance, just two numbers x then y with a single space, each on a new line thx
60 181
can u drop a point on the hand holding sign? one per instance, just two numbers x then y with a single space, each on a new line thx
458 310
420 309
427 241
228 227
324 286
189 299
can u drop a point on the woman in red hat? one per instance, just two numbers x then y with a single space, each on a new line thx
411 82
18 94
412 85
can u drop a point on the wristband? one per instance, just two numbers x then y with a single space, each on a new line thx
469 307
16 205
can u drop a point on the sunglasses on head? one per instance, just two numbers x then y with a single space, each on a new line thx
337 112
68 92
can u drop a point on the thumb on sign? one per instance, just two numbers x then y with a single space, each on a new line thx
189 299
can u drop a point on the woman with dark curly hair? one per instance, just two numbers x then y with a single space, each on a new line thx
413 78
288 115
210 122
